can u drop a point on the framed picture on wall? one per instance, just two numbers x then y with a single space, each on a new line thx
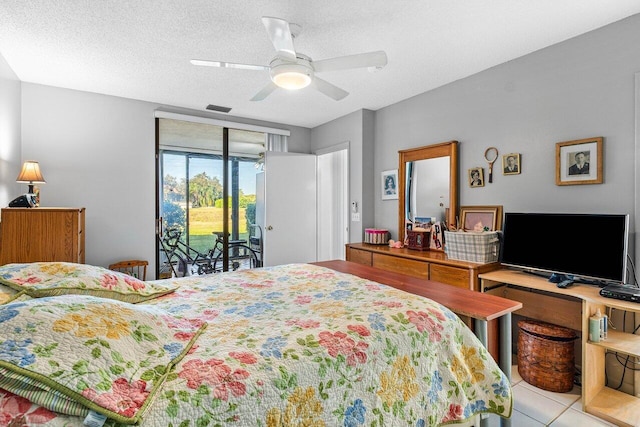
511 164
579 162
476 177
390 184
481 218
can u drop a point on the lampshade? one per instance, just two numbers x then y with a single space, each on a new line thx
30 174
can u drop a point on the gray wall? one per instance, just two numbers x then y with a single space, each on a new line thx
581 88
10 109
98 152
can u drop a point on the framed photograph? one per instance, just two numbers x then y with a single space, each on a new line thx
511 164
481 218
390 184
476 177
579 162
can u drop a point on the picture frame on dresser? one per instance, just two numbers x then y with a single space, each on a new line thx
489 217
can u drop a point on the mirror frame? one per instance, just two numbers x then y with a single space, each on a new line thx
443 149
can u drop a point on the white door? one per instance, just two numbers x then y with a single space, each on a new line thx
289 229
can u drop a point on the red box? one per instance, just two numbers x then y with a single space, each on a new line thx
418 240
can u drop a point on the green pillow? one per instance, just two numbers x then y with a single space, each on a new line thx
43 279
75 354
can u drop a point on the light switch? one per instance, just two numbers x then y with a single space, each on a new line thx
355 216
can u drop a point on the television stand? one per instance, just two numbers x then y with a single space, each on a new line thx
572 308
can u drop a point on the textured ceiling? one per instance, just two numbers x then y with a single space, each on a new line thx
140 49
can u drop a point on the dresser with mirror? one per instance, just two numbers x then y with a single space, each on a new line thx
428 188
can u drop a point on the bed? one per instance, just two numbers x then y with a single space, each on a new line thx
291 345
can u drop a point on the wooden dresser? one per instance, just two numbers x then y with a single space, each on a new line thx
431 265
42 234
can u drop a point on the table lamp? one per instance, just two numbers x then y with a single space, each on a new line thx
30 174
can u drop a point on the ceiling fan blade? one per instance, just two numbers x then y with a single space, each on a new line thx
264 92
228 65
329 89
370 59
280 35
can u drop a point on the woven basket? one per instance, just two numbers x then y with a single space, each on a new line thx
482 247
546 355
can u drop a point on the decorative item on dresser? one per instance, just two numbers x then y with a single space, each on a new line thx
43 234
418 239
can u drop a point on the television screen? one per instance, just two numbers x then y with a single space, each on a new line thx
586 246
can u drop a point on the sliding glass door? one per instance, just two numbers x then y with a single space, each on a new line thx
201 165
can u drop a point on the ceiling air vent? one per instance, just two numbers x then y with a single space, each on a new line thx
218 108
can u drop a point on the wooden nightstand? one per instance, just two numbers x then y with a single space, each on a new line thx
42 234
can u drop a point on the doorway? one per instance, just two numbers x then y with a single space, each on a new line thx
333 202
206 195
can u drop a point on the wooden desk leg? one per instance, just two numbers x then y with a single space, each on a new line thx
505 354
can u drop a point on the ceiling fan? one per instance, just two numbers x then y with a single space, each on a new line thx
293 70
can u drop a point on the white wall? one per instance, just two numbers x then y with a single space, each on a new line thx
98 152
10 158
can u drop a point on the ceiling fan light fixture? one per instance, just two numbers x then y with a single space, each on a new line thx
291 76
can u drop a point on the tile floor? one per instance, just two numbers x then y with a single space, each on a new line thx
535 407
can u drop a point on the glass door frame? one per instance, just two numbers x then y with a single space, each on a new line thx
229 182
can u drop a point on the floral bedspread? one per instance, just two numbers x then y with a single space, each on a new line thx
304 345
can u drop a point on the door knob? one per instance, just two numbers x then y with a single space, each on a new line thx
269 228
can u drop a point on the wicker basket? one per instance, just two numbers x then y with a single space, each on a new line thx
483 247
546 355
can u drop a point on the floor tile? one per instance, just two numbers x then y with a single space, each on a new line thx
573 418
535 405
567 399
515 375
577 405
518 419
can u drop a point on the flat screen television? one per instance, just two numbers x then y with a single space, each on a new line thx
587 246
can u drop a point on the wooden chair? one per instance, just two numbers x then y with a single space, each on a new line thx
134 267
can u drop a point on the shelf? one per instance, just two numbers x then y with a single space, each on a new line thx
622 342
614 406
543 300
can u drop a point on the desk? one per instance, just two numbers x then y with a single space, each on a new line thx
478 306
572 307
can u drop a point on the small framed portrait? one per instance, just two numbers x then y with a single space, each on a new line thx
481 218
476 177
511 164
579 162
390 184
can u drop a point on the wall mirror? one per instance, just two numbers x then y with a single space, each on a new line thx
428 185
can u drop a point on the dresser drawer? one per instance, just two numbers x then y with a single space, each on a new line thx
401 265
359 256
459 277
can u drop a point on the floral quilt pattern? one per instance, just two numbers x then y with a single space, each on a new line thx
77 353
304 345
